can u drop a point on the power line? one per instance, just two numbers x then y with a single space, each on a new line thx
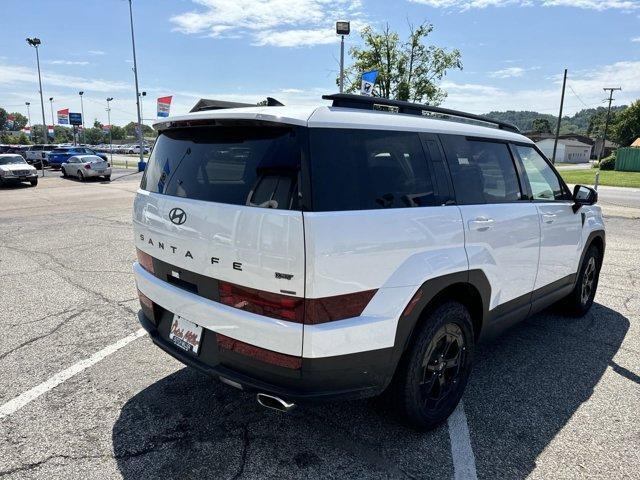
577 96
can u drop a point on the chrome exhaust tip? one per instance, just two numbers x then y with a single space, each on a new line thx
275 403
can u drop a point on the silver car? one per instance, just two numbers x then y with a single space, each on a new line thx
86 166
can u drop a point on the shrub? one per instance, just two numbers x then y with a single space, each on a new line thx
608 163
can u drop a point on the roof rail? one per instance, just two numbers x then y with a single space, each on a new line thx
363 102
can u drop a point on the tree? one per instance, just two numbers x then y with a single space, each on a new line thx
19 121
62 134
94 135
409 70
117 133
626 127
130 130
541 125
3 118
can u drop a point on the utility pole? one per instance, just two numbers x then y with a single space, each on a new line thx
555 143
135 74
606 123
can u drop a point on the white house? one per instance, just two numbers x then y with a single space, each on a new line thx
568 151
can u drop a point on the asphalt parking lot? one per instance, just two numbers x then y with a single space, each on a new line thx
553 398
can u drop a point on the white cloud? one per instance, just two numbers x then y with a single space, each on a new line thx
479 98
96 52
281 23
624 5
636 39
14 74
67 62
508 72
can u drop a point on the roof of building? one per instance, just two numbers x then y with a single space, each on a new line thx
636 143
326 116
567 142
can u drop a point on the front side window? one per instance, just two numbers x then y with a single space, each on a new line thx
543 181
368 169
237 165
482 171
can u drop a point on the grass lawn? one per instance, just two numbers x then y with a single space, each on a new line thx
607 177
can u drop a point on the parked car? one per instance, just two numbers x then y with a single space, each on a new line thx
86 166
14 168
136 149
36 154
58 156
339 252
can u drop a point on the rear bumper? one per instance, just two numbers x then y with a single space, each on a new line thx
351 376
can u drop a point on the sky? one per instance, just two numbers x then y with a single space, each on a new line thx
513 51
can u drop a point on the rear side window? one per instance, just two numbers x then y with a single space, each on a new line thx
237 165
368 169
482 171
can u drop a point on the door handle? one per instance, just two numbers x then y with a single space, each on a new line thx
481 224
548 217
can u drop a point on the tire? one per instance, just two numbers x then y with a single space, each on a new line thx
81 176
107 178
432 377
33 182
64 173
579 301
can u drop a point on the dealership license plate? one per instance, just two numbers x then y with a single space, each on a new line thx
185 334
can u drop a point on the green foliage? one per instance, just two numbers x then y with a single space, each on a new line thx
94 135
37 134
541 125
626 127
117 133
407 70
62 134
19 121
130 130
21 139
3 118
608 163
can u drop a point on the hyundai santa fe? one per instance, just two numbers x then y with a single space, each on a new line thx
344 251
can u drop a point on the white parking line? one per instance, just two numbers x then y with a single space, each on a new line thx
30 395
464 462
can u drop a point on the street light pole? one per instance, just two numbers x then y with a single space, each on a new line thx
109 122
135 74
35 42
53 123
342 29
28 115
84 138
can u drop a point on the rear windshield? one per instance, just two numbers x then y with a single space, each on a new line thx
237 165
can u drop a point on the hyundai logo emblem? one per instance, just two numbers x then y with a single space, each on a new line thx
177 216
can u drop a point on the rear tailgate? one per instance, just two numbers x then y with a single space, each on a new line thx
197 215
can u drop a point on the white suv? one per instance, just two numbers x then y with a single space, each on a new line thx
343 251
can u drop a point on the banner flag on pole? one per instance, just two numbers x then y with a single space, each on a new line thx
106 128
164 104
50 129
63 117
10 121
368 82
27 130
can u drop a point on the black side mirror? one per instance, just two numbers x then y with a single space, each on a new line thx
583 196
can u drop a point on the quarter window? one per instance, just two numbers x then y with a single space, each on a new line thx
543 181
482 171
368 169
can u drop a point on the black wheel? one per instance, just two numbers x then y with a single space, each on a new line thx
64 173
81 176
33 182
107 178
435 372
581 298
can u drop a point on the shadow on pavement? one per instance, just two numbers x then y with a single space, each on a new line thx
525 387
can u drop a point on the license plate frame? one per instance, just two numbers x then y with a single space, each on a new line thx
185 334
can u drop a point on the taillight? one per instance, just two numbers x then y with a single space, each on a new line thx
88 166
310 311
262 354
268 304
145 260
148 307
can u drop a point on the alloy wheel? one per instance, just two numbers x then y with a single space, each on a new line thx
588 280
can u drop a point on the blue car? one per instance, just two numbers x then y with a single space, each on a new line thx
60 155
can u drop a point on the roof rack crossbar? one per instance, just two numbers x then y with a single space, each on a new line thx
363 102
